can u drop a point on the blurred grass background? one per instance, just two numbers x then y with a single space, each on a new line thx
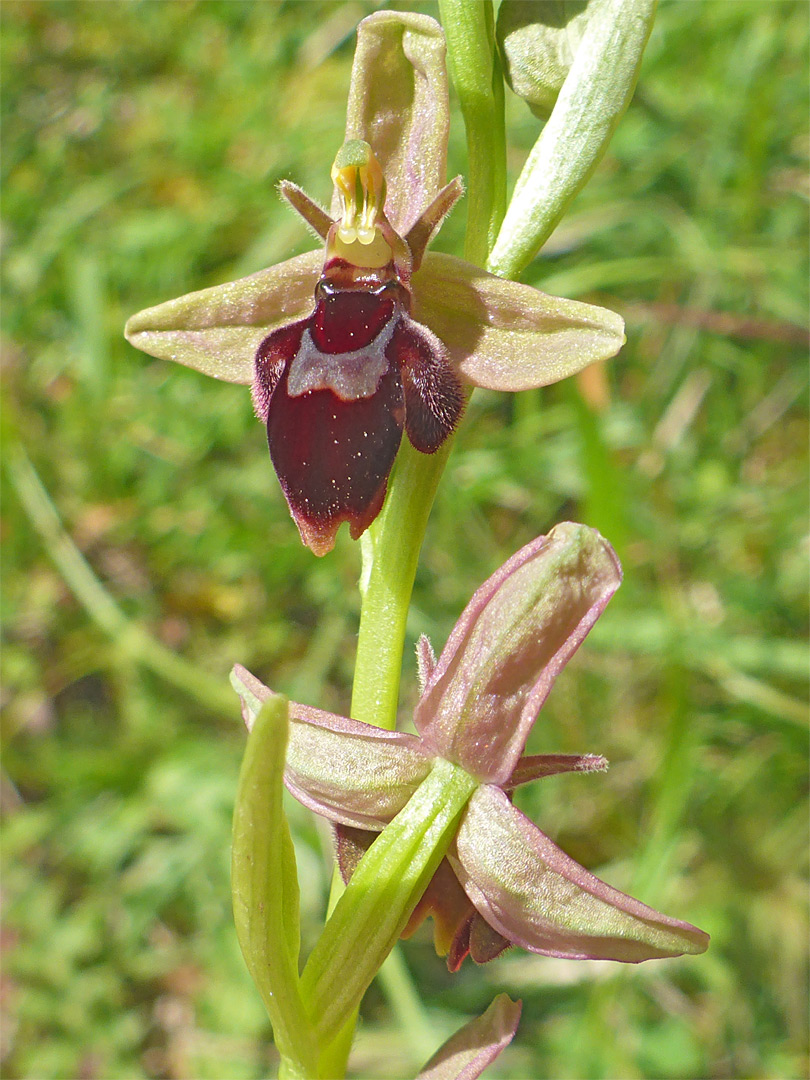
146 545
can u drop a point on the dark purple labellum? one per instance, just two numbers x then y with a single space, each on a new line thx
478 940
335 392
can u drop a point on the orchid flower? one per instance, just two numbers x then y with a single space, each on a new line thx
504 881
345 347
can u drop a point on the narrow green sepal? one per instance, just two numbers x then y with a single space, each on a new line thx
380 897
264 883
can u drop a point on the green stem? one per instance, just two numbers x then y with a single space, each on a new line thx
475 68
335 1057
390 555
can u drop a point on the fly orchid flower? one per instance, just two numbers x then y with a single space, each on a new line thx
394 333
504 881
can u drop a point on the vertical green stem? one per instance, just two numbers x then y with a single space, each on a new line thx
392 544
390 554
475 68
335 1057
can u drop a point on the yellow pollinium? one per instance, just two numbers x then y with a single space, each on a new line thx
360 183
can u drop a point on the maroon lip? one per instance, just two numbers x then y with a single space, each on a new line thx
336 391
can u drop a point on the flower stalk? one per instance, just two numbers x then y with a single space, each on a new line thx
390 551
475 68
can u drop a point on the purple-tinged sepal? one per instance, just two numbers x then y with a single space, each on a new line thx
502 335
217 331
512 640
347 771
466 1054
537 897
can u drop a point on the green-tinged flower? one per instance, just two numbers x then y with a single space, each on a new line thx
345 347
504 881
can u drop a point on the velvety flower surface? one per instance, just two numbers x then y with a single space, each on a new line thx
348 346
504 881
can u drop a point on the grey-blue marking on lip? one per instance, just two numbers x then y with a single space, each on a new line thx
351 375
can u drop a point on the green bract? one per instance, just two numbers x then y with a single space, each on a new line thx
596 52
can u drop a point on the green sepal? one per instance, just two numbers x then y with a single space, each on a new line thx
353 773
386 886
539 898
218 330
501 335
264 883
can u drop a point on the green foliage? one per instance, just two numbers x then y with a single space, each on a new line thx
142 143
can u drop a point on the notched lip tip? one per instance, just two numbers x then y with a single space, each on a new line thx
319 547
318 539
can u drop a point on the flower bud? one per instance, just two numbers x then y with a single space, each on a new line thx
538 40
